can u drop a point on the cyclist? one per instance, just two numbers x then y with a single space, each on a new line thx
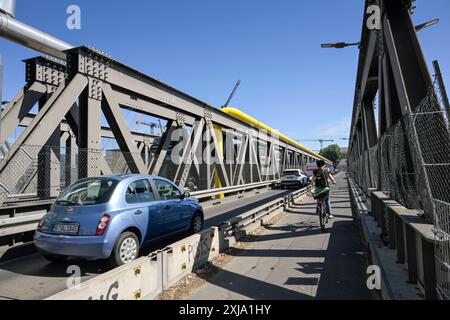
320 180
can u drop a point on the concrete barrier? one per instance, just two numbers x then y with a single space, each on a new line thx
133 281
183 257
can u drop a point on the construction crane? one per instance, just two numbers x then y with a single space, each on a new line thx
316 140
232 94
151 125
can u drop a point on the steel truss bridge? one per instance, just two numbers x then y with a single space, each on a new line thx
405 156
399 164
74 86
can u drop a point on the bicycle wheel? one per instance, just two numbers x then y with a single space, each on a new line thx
325 219
322 217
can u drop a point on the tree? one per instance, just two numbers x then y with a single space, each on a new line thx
332 153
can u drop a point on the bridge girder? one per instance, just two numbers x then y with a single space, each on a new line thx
73 95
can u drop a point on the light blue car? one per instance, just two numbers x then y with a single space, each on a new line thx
114 216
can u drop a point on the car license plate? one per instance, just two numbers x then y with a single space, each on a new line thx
66 228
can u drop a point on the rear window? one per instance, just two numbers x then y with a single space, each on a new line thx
88 192
291 173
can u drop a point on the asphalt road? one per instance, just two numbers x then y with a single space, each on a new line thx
31 277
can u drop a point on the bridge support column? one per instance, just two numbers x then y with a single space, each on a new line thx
89 141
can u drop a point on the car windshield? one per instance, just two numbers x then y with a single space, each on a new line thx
87 192
291 173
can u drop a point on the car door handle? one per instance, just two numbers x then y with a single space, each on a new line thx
138 212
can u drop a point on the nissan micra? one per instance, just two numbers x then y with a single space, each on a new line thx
112 217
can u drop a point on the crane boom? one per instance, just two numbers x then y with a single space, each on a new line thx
318 140
232 94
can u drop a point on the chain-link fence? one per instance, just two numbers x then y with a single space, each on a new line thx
42 172
34 173
432 144
398 175
413 157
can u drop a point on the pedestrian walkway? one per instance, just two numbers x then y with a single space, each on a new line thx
294 259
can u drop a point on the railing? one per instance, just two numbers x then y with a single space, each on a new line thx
149 276
205 194
245 222
404 231
411 165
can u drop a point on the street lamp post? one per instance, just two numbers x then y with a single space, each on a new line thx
427 24
339 45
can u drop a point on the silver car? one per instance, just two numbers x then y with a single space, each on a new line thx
293 178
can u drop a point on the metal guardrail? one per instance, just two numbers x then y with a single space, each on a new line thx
28 221
241 223
148 276
10 226
357 199
215 192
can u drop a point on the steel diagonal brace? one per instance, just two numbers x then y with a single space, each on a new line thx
396 69
41 128
189 153
50 115
116 120
241 160
164 145
18 109
219 164
269 162
275 163
254 156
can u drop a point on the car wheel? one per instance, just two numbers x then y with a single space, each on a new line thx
54 257
125 250
196 223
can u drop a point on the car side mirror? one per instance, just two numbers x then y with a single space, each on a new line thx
186 195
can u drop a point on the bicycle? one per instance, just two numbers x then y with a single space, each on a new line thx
320 208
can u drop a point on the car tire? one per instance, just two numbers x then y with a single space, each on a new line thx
196 223
125 250
54 258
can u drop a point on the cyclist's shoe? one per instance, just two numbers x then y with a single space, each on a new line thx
330 216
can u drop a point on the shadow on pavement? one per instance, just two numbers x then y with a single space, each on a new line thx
340 276
252 288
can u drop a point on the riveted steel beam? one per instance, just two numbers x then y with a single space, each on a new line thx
187 158
116 120
18 109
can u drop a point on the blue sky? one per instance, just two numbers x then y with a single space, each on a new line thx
202 47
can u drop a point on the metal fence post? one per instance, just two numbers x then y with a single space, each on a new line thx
411 253
429 269
391 232
399 240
